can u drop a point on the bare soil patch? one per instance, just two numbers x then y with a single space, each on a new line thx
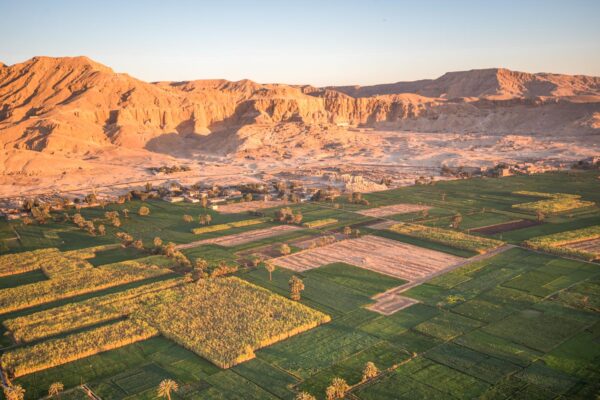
389 303
307 243
589 246
375 253
235 208
506 226
393 209
242 238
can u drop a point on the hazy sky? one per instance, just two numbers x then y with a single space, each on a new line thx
317 42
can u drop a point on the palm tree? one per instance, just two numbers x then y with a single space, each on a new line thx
296 286
15 392
166 387
370 371
269 266
305 396
55 389
337 389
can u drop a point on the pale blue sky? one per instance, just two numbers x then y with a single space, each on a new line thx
316 42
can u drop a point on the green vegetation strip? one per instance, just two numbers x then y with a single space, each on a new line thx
556 243
25 360
320 222
553 203
229 225
447 237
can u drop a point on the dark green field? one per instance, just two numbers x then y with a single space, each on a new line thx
518 325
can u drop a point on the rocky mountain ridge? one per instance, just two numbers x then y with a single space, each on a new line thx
73 105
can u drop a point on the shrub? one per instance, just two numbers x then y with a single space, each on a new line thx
144 211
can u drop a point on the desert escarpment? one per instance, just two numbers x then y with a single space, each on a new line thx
77 106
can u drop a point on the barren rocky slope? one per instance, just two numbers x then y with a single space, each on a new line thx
75 105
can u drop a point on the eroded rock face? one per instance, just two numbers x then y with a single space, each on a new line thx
75 105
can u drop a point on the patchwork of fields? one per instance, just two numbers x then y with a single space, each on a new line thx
393 209
242 238
520 324
375 253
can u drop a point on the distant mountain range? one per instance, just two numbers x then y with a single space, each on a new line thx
76 106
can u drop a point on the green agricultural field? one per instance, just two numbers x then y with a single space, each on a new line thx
519 324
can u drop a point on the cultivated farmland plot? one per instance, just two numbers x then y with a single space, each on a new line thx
393 209
242 238
505 226
375 253
249 206
511 323
587 246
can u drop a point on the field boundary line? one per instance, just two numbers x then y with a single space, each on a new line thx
382 298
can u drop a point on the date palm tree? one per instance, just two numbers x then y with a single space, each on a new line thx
269 266
305 396
55 389
15 392
166 387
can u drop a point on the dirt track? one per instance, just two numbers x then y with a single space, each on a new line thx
375 253
241 238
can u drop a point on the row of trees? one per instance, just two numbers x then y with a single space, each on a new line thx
339 387
286 215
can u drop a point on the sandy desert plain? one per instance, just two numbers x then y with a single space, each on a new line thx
394 274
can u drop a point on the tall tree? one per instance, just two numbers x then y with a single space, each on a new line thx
370 371
270 267
55 389
284 249
337 389
305 396
166 387
296 288
15 392
456 221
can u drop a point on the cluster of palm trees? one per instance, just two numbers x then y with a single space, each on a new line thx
336 390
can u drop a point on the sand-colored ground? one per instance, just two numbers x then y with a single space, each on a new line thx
249 206
375 253
72 124
382 224
393 209
242 238
589 246
392 300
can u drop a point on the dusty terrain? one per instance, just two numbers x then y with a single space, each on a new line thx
246 206
393 209
386 256
241 238
589 246
69 123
